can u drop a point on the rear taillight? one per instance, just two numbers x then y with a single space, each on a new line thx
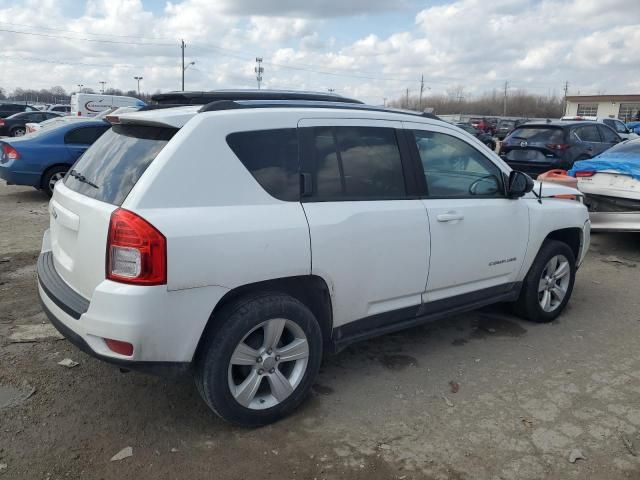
558 146
136 250
585 173
10 152
1 123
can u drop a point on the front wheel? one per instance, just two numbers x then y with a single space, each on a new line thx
261 359
548 285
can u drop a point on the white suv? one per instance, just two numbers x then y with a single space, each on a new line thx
617 125
244 239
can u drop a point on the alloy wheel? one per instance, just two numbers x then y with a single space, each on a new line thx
554 283
268 364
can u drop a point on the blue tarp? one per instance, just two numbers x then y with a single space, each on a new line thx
622 162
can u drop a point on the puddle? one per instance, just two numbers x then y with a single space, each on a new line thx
501 327
397 362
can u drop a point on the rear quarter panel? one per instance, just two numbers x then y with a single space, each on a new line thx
222 228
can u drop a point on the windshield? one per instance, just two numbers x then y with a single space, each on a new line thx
112 166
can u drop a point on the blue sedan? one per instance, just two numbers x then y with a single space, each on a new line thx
634 126
42 158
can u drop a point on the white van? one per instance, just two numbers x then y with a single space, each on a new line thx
90 104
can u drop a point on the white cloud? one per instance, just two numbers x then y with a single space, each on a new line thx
474 43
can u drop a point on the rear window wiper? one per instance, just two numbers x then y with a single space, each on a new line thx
81 178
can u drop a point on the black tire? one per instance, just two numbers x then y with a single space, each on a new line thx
18 132
528 304
48 177
232 324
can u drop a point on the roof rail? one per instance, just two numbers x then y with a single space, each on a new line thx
241 104
203 98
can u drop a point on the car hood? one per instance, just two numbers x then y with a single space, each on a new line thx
550 189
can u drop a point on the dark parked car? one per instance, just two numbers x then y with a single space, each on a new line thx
8 109
535 148
505 126
484 137
15 125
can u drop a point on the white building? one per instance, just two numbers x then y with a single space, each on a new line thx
624 107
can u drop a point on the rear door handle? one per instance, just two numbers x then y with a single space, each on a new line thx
450 217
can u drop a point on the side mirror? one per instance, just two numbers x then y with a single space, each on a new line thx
519 184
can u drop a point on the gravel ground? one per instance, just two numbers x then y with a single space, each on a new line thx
478 396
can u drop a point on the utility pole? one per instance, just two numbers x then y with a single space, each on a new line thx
102 84
384 102
80 85
421 90
407 98
182 45
504 107
259 71
138 79
566 91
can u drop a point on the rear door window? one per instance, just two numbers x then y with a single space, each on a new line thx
85 135
588 133
272 158
117 160
356 163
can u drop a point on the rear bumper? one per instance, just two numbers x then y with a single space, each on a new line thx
615 221
163 327
13 177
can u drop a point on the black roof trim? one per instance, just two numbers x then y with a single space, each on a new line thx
203 98
240 104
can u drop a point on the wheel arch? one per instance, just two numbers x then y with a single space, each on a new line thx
311 290
51 167
571 236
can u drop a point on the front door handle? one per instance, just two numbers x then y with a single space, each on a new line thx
450 217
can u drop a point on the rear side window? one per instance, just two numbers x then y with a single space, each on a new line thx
85 135
113 165
272 158
356 163
538 135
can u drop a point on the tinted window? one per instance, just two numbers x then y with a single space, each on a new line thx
356 163
34 117
608 135
588 133
272 158
538 134
453 168
117 160
85 135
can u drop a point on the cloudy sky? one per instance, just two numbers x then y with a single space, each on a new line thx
370 49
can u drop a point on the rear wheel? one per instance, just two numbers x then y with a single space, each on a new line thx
18 132
51 177
549 283
260 361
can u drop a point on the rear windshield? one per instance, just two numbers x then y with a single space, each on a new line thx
538 134
116 161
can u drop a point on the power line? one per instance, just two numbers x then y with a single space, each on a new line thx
40 27
99 40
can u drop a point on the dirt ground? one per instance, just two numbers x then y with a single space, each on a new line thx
527 394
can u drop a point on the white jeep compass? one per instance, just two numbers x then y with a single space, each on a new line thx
242 240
